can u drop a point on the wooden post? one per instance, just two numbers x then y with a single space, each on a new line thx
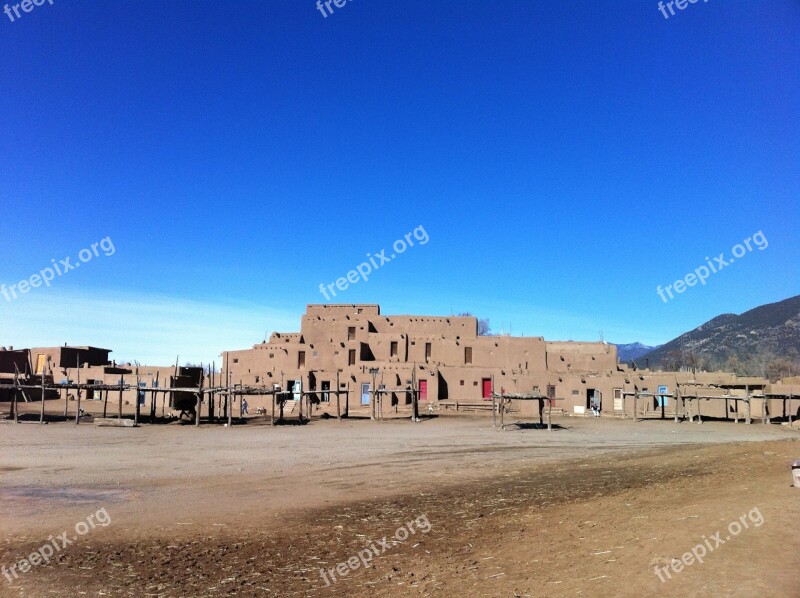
677 399
14 405
272 415
41 411
199 401
494 404
121 383
699 417
347 401
338 404
735 410
414 396
790 408
227 385
299 403
105 403
764 412
229 405
78 410
549 410
635 404
153 399
66 401
502 410
211 394
372 405
748 412
137 409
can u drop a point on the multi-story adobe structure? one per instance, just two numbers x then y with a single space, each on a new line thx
443 359
448 361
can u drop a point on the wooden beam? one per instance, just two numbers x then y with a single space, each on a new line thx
78 410
14 405
41 410
748 413
121 385
677 402
137 409
199 400
494 404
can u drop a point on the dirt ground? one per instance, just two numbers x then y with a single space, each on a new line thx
591 508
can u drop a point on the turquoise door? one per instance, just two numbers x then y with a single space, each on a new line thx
365 394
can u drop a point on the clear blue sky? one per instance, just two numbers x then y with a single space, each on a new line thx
564 158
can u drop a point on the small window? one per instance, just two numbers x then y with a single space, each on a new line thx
575 392
393 349
427 351
235 361
351 333
467 355
462 383
351 357
301 359
272 355
475 383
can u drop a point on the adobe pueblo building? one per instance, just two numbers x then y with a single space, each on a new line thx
443 357
381 363
445 361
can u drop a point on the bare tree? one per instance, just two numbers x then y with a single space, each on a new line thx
483 324
672 361
780 368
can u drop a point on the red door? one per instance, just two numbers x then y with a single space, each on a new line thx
423 390
487 388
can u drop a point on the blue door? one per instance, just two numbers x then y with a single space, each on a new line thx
140 393
663 400
365 394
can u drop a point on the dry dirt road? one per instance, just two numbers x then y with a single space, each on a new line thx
589 509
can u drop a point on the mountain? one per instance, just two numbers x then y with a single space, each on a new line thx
631 351
755 338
